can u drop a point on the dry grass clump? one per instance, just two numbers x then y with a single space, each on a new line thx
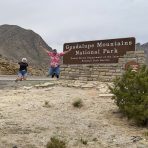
78 103
56 143
83 141
46 104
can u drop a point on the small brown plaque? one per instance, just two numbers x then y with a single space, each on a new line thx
133 65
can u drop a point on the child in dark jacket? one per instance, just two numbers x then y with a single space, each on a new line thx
22 74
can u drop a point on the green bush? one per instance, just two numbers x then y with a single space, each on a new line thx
83 141
55 143
46 104
131 94
78 103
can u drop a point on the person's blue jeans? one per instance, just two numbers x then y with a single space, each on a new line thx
22 73
54 71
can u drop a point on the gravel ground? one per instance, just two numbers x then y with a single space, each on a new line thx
30 116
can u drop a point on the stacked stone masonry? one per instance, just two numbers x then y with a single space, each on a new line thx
101 72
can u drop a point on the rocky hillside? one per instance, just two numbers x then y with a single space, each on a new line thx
143 47
8 67
16 43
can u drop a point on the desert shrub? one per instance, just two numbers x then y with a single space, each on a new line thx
46 104
56 143
131 94
83 141
78 103
146 134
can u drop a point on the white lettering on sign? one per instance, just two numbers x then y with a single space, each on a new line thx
80 46
114 44
86 52
106 51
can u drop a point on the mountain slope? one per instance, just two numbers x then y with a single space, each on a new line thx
145 48
16 43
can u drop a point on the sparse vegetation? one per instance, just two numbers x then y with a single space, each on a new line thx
46 104
131 95
56 143
78 103
146 134
94 139
83 141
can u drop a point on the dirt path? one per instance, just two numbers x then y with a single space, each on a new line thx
27 122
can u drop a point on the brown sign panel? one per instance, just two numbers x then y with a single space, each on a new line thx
99 51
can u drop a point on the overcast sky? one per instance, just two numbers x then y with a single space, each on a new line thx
63 21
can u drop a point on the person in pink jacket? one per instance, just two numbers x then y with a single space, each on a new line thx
54 69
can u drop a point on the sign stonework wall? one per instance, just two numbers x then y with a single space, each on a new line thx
99 51
101 72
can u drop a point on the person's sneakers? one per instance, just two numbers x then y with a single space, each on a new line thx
53 75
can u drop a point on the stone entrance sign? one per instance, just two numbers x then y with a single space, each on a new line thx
99 51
